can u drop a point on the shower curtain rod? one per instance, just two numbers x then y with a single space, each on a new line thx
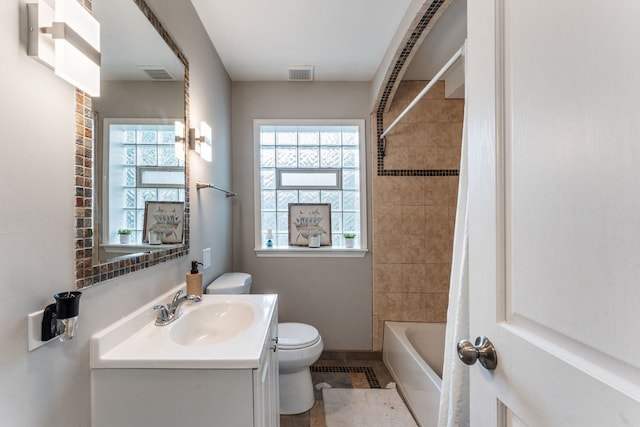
228 194
432 82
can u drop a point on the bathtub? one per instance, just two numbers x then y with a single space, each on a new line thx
414 353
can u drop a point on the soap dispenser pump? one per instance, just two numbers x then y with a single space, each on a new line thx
194 280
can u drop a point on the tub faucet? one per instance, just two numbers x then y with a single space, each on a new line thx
170 312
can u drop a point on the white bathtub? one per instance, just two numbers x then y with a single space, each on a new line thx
414 353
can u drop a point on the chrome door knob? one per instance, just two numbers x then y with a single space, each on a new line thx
483 350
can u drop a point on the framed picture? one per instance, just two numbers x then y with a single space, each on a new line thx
163 222
309 219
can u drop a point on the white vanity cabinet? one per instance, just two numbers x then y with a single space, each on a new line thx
240 392
265 380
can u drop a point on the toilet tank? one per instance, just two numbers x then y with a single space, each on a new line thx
230 283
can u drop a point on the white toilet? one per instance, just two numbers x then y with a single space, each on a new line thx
299 346
230 283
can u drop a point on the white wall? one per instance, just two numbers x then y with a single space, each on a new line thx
380 77
50 386
333 294
140 99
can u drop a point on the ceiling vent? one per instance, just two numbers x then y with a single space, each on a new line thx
156 72
301 74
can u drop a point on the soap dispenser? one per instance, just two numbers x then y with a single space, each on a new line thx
194 280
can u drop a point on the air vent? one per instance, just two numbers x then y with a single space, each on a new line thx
301 74
157 73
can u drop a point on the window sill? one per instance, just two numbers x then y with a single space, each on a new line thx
304 252
127 248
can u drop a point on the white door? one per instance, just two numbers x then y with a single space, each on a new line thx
553 102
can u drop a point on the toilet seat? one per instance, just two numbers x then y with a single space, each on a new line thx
292 336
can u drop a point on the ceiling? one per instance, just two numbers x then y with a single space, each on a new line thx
258 40
126 53
446 37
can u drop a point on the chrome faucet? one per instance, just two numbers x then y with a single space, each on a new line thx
170 312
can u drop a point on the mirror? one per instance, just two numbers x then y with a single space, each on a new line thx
127 156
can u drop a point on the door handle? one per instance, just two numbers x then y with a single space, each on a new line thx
483 350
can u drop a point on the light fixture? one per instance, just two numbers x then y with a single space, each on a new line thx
200 140
179 138
205 142
66 38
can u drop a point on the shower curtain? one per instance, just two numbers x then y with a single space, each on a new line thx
454 398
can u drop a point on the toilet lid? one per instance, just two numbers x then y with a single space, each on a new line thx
296 335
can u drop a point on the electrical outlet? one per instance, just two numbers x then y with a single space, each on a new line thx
206 258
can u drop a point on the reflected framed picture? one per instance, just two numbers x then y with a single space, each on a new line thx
309 221
163 222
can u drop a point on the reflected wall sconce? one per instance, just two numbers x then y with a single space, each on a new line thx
179 138
200 140
66 38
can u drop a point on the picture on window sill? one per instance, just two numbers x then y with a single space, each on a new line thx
163 222
308 223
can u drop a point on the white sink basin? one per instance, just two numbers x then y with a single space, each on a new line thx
212 323
220 332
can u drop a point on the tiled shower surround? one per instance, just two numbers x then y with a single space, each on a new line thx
414 215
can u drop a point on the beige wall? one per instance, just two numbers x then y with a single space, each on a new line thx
333 294
414 216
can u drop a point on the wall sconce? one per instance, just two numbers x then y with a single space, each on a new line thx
61 318
200 140
66 38
179 138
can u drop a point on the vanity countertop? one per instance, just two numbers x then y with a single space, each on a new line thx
136 342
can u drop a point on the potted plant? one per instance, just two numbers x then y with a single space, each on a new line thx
349 240
124 234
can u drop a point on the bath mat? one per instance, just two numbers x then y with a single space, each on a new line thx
345 407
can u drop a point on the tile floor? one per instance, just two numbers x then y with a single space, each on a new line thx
340 370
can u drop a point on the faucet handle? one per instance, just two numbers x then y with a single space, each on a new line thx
163 312
164 316
177 295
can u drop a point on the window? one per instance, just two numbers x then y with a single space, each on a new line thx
310 161
140 165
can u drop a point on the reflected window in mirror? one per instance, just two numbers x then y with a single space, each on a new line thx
142 166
